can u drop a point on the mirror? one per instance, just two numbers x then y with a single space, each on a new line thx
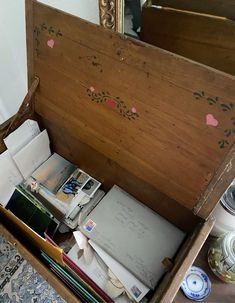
123 16
111 14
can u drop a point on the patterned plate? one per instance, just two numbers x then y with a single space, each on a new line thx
196 284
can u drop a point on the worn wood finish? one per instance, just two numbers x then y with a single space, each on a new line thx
109 173
26 109
3 128
203 38
161 157
52 251
220 292
168 145
185 258
29 40
63 291
212 7
222 179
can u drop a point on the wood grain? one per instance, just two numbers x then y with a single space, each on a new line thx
203 38
212 7
168 145
3 128
185 258
222 179
109 172
26 109
167 156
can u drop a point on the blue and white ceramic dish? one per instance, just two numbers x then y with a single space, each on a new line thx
196 284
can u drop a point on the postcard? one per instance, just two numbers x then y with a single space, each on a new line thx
54 172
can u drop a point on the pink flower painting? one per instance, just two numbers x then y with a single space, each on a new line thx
111 103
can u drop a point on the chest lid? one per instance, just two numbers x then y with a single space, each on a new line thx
167 120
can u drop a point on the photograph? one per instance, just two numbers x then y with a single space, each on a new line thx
91 187
72 185
54 172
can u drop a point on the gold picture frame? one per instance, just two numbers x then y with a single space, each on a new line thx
111 14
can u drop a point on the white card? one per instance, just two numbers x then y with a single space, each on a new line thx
31 156
9 176
21 136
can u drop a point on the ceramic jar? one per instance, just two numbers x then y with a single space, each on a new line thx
221 257
225 213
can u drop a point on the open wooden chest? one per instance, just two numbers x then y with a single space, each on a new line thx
158 125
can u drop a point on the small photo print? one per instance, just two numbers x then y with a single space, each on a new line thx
71 187
91 187
136 292
89 226
81 178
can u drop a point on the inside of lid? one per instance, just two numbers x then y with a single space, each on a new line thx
157 116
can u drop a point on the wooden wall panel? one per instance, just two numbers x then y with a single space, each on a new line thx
168 145
206 39
213 7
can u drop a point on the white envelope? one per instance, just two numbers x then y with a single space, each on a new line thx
21 136
31 156
135 288
9 176
97 272
133 234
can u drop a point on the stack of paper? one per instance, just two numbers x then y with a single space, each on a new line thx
32 155
133 234
27 149
21 136
97 270
134 287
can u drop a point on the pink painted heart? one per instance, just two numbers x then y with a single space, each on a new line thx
210 120
51 43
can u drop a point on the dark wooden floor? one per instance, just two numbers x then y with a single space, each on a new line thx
221 292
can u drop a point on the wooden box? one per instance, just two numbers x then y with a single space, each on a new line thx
156 124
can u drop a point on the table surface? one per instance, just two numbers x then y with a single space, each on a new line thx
221 292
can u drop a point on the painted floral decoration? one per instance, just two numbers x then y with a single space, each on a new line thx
227 108
113 103
52 31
